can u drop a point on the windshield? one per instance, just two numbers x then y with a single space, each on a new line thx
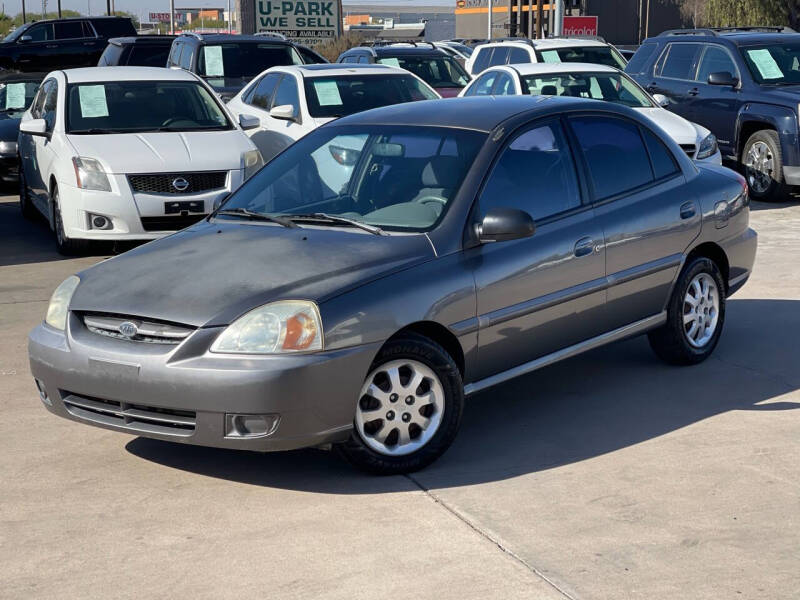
778 64
611 87
397 178
244 60
16 97
12 36
344 95
598 55
139 106
436 71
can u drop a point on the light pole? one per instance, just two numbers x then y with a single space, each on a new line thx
489 24
172 17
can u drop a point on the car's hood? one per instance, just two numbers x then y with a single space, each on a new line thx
212 273
678 128
9 129
164 151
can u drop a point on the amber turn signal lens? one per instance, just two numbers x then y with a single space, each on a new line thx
301 329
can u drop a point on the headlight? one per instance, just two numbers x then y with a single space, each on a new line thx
90 174
251 162
708 147
276 328
59 303
8 148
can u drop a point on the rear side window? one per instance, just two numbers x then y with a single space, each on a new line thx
542 155
640 60
482 60
518 55
679 61
615 154
663 161
69 30
113 27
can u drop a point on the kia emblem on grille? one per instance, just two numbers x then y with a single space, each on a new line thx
180 184
128 329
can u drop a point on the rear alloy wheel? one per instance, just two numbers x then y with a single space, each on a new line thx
695 315
25 206
763 166
65 245
409 408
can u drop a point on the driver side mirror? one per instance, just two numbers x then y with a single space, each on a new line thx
284 112
661 100
35 127
723 78
505 224
249 122
24 39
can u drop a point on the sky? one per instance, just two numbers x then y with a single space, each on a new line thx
142 7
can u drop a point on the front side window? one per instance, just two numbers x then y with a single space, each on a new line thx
504 86
679 61
437 71
776 64
40 33
244 60
287 94
518 56
598 55
483 86
38 103
263 91
535 173
398 178
140 106
339 96
50 105
611 87
715 60
615 154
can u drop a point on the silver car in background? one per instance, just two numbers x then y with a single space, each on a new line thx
300 315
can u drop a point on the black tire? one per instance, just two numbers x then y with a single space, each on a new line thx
777 190
671 342
28 210
421 349
66 246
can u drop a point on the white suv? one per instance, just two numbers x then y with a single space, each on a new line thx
551 50
129 153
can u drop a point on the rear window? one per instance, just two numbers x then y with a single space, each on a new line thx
113 27
148 55
642 57
598 55
339 96
244 60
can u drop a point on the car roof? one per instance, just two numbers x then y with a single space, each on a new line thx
332 69
477 113
80 18
140 39
544 68
217 38
400 50
544 44
100 74
736 37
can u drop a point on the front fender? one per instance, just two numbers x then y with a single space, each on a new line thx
782 119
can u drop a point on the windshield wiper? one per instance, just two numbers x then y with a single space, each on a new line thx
95 130
256 216
319 216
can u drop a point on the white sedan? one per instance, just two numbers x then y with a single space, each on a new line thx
597 82
123 153
291 101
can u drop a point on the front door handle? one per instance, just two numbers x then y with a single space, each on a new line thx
688 210
584 247
693 92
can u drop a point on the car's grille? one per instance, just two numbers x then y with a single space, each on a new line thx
178 183
690 149
170 223
132 329
130 416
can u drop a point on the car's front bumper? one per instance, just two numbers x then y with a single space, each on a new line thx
147 385
9 168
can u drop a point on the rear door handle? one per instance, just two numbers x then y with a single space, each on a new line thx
51 46
688 210
693 92
584 247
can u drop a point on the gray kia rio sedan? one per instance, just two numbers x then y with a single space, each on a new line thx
389 264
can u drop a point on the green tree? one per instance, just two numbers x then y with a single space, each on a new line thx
739 13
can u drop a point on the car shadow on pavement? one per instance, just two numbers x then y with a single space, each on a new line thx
594 404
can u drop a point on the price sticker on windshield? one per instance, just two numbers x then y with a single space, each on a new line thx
93 101
765 64
214 64
15 95
328 93
551 56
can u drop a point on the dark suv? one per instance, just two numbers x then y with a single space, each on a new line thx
741 83
137 51
439 70
228 62
61 43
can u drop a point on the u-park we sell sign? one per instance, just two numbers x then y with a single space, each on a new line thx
309 21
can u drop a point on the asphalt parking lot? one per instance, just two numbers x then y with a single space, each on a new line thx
606 476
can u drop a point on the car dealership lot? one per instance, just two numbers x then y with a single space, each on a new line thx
606 476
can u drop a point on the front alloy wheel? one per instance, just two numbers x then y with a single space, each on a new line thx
408 410
763 166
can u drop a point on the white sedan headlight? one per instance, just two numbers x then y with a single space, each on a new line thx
90 175
251 163
59 303
708 147
276 328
